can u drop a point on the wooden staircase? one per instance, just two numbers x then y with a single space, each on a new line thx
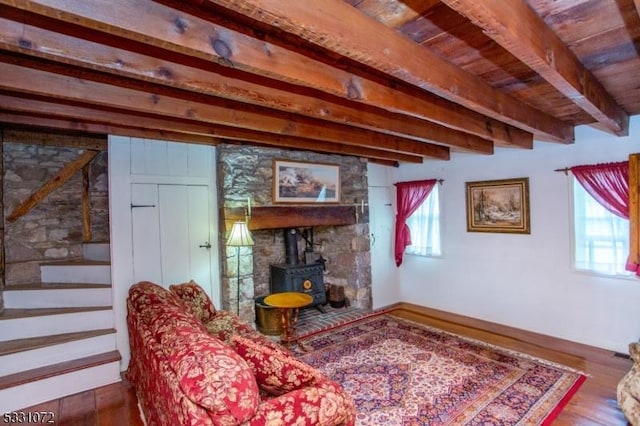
57 337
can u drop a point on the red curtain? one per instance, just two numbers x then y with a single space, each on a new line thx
609 185
409 196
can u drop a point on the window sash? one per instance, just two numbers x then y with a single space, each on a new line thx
425 227
601 239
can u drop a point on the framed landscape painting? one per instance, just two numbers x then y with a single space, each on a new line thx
305 183
498 206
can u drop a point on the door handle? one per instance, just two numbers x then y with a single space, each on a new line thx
205 245
373 239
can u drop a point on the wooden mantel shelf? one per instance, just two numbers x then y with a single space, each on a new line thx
277 217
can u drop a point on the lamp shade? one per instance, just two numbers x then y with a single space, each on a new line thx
240 235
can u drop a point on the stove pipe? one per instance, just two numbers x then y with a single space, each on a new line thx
291 246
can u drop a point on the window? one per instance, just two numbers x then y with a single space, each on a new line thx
601 238
424 225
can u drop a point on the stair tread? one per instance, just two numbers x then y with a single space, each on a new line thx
48 371
54 286
76 262
21 345
8 314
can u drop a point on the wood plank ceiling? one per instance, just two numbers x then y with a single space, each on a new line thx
392 81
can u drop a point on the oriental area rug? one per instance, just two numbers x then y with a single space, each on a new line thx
400 372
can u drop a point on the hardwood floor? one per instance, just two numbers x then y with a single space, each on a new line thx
111 405
594 404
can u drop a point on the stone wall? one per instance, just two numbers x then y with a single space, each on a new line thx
345 249
52 230
245 171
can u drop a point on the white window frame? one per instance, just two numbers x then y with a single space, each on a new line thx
585 267
425 252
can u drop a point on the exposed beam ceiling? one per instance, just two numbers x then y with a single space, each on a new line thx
359 38
389 80
120 62
528 38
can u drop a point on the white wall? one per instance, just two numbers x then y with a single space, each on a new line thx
525 281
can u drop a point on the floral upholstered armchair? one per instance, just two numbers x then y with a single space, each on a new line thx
629 388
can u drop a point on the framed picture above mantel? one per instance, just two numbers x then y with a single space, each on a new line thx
299 182
498 206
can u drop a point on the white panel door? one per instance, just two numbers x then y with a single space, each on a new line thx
384 286
184 236
174 234
137 170
145 229
171 234
201 239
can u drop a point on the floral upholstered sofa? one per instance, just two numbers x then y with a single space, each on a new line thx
629 388
193 365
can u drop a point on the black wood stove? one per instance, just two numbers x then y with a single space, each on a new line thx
296 276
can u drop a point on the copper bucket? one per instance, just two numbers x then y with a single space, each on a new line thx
268 318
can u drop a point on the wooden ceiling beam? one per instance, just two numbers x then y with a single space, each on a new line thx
20 103
73 124
368 42
91 120
519 30
24 134
14 36
38 82
143 125
33 120
181 33
375 156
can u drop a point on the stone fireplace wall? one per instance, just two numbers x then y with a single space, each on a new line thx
52 230
244 172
